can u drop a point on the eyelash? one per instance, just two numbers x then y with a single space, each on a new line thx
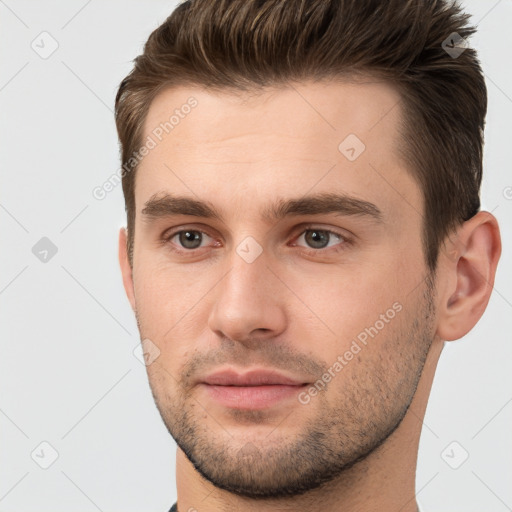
345 241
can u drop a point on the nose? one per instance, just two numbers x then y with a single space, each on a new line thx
248 305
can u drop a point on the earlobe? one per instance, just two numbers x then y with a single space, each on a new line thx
469 268
126 269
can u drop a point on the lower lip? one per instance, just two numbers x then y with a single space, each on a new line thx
252 397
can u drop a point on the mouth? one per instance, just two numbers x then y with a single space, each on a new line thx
257 389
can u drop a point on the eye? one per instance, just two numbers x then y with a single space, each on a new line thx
188 239
319 239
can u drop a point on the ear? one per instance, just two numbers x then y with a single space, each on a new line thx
126 269
466 278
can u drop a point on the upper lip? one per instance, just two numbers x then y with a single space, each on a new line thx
250 378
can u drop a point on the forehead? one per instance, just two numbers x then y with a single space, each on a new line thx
282 141
313 110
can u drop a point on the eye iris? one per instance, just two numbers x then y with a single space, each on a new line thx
315 237
190 237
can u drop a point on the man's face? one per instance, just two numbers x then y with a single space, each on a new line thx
333 298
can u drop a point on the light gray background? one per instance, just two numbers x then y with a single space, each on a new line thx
68 372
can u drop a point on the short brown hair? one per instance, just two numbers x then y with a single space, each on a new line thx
247 45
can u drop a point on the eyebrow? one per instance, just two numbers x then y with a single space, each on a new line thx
167 205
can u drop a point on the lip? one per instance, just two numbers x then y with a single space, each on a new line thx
255 389
250 378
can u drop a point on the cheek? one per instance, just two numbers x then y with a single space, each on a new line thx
344 300
354 313
172 306
159 284
152 294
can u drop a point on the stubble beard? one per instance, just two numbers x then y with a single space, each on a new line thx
344 430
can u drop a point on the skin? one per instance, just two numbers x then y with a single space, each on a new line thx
354 445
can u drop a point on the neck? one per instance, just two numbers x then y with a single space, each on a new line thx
383 482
